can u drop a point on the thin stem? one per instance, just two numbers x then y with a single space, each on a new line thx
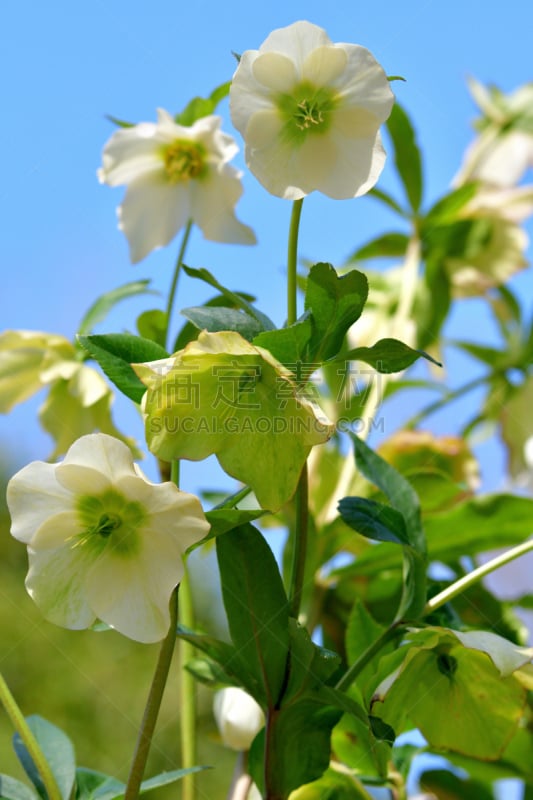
22 728
187 693
177 269
300 544
241 782
292 262
153 705
476 575
234 499
358 666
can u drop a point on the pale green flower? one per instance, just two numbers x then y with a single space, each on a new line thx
174 173
239 718
103 541
223 395
310 112
79 400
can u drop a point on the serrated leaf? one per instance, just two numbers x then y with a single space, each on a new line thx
406 154
223 319
256 606
57 750
202 106
335 303
103 305
374 520
115 352
388 355
12 789
235 298
388 245
288 345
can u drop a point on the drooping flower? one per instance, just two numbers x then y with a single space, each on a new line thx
174 173
239 718
503 150
79 401
103 541
309 112
223 395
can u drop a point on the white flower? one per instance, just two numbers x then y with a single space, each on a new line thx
309 112
103 541
239 718
174 174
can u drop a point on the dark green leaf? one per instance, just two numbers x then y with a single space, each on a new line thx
374 520
152 325
388 355
335 303
202 106
58 751
12 789
223 319
207 672
288 345
443 783
256 606
189 332
389 245
223 520
236 299
115 352
88 781
406 155
103 305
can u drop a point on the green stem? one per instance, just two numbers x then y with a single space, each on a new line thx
476 575
449 397
292 262
300 544
365 658
187 693
153 705
22 728
177 269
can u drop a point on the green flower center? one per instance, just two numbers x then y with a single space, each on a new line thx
109 520
184 160
306 111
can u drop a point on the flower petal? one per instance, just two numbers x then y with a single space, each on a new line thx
325 64
101 453
55 582
56 531
212 204
275 71
34 495
297 41
152 212
131 154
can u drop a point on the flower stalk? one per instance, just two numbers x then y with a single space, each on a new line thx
175 277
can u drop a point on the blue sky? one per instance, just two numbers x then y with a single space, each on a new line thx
66 65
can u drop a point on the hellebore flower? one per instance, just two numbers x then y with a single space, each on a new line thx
79 400
239 718
103 541
309 112
174 173
223 395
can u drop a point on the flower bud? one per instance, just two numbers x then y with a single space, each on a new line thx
239 718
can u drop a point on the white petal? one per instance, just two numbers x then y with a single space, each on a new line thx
275 71
364 83
324 65
152 213
130 154
239 718
355 122
82 480
56 531
213 201
132 594
297 41
246 95
101 453
263 129
313 161
271 166
34 495
55 582
359 165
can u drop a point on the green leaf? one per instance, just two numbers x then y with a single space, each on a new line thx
362 631
497 359
12 789
120 122
223 520
256 606
335 303
374 520
189 332
235 298
115 352
443 783
406 154
288 345
389 201
223 319
446 209
389 245
103 305
202 106
436 301
208 672
333 785
57 750
152 324
388 355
